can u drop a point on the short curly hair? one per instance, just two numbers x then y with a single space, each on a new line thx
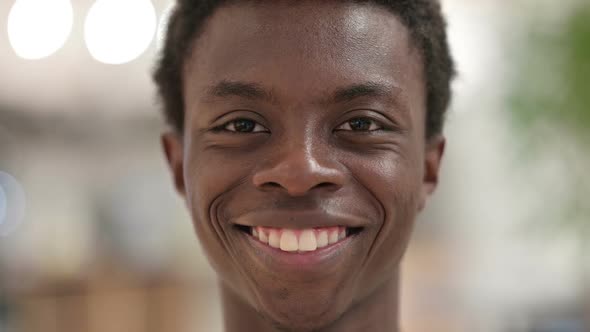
423 18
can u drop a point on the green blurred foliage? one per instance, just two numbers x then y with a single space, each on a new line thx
553 82
550 109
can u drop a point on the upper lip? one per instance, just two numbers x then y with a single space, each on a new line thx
298 219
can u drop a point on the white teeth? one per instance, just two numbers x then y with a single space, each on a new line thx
262 236
307 240
289 241
342 233
322 239
333 238
274 239
299 240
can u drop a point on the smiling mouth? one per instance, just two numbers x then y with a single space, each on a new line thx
300 240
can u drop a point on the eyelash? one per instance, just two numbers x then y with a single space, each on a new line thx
224 126
373 122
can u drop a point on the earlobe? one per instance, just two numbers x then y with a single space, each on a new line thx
433 154
174 151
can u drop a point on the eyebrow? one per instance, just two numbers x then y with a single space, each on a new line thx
366 89
257 92
247 90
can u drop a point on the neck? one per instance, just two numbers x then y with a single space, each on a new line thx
378 312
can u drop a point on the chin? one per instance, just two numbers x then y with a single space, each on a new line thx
303 313
302 321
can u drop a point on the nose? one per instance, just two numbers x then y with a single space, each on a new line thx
299 170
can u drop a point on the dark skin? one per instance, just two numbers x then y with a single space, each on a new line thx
317 108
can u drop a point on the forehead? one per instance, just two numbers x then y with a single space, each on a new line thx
303 49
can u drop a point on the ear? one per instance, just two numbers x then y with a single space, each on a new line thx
433 154
174 150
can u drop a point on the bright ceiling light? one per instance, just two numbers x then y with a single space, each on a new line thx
118 31
38 28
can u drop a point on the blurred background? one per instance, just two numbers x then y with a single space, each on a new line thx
94 238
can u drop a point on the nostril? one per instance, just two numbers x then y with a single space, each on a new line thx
325 185
272 185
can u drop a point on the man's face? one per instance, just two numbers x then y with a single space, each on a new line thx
304 119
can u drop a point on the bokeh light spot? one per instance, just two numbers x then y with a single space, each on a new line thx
38 28
12 204
3 205
117 32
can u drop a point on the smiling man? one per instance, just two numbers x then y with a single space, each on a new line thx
306 137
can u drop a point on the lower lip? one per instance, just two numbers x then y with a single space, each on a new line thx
299 260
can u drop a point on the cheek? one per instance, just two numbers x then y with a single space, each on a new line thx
207 180
213 184
395 183
394 179
210 175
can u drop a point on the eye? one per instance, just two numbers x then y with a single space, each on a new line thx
360 124
243 126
